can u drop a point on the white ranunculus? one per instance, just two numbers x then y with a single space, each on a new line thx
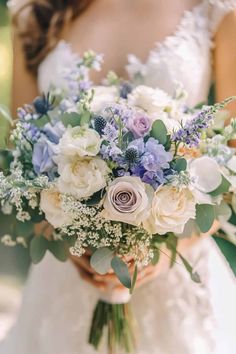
128 200
171 210
103 97
81 177
50 203
153 101
80 141
205 174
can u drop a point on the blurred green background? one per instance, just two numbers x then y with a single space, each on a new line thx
15 261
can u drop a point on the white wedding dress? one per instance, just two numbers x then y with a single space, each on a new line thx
175 315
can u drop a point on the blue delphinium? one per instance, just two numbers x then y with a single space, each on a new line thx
155 158
42 159
153 161
54 132
31 132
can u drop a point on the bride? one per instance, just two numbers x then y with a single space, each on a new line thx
186 41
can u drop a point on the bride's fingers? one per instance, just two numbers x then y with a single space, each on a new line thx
111 277
88 278
83 262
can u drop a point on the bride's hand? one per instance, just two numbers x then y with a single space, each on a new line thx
110 280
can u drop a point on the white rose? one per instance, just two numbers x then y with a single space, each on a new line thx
128 200
171 209
50 203
157 104
81 141
81 177
103 97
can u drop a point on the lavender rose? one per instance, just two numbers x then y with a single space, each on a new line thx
128 200
139 125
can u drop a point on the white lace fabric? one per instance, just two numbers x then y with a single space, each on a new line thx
175 315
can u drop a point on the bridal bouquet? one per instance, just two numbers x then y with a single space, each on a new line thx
118 170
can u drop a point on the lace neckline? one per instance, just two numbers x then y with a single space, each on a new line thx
187 16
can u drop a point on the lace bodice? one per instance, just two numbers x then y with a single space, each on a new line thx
184 57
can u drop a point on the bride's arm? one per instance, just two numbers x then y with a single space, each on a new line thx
24 86
225 60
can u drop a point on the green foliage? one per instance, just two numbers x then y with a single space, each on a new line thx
38 248
73 119
205 216
171 243
223 188
96 198
122 271
156 257
194 276
24 229
85 118
180 165
41 122
159 132
5 122
134 279
59 249
101 260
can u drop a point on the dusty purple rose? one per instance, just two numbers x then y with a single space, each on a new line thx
139 125
127 200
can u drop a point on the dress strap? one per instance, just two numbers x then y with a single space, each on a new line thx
218 10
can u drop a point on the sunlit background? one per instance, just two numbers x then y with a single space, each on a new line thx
14 262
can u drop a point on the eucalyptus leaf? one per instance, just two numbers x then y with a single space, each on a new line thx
168 143
85 118
96 198
73 119
122 271
134 279
128 137
59 249
101 260
180 165
24 229
40 122
156 257
205 216
38 248
223 188
194 275
159 132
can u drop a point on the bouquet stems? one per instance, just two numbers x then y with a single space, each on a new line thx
119 322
